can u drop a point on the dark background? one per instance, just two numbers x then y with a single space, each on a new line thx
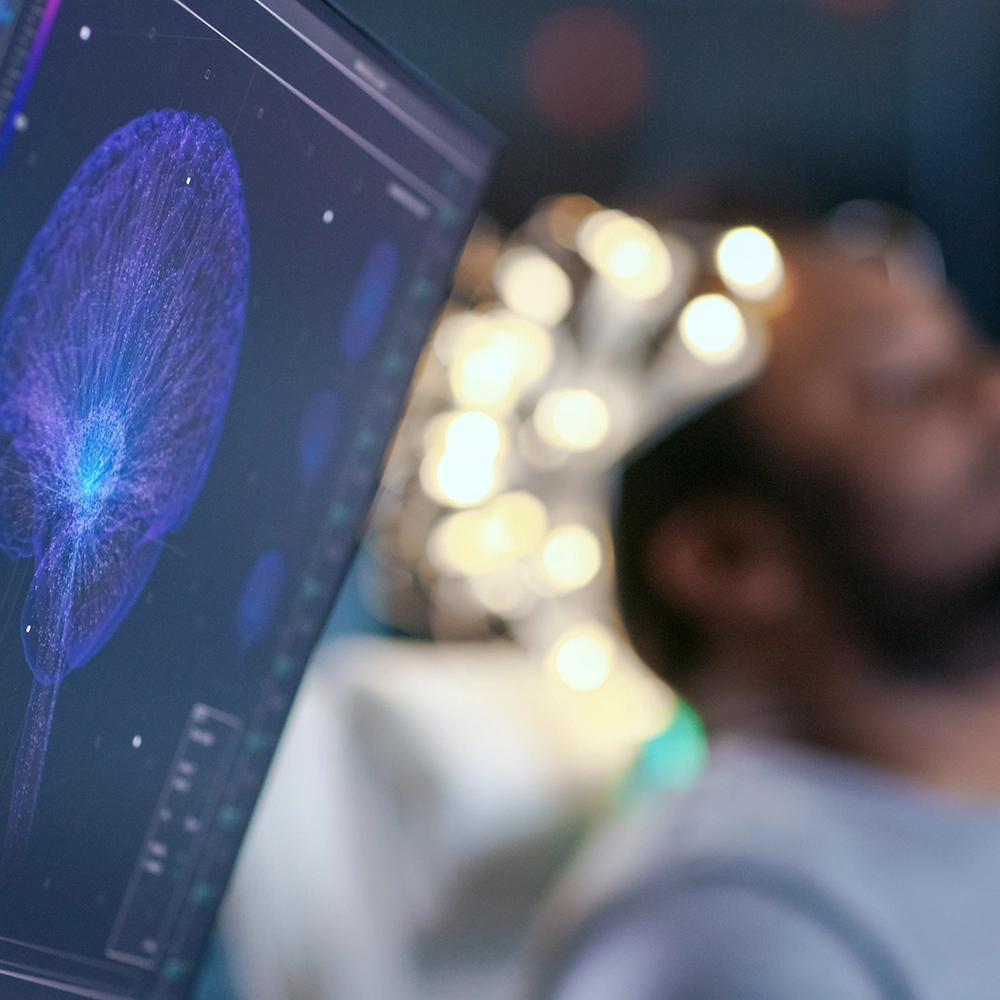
810 101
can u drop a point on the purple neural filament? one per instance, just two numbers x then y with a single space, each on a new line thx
118 350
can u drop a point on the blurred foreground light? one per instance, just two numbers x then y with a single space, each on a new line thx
459 468
480 541
583 656
532 284
497 357
572 419
503 591
535 451
590 228
571 557
451 331
628 252
749 263
713 328
565 215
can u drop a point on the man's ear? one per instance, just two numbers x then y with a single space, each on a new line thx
730 563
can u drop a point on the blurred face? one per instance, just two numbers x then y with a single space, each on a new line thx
881 396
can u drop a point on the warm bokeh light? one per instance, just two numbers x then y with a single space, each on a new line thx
583 656
713 328
459 468
571 557
462 484
479 541
554 364
495 358
591 225
535 451
532 284
572 419
565 216
451 332
749 263
503 591
628 252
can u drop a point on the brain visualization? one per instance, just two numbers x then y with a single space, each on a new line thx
226 228
118 350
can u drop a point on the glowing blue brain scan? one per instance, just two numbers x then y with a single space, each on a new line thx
209 320
118 350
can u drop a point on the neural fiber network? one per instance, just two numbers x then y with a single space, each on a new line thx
118 350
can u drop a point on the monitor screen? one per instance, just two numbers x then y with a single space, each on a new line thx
225 229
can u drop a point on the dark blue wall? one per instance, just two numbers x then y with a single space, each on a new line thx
786 96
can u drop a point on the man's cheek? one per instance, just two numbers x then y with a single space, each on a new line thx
930 471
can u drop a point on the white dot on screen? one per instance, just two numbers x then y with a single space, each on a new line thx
21 123
328 216
84 33
188 181
137 741
27 628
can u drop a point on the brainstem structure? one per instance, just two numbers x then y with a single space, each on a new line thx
118 351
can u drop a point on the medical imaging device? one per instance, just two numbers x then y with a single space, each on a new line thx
226 227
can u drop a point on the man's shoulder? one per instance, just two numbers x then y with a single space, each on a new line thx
723 937
797 837
750 814
756 804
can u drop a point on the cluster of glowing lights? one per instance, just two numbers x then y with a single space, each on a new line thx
495 358
584 656
628 252
570 557
572 419
533 285
502 543
565 215
463 451
474 542
713 328
749 263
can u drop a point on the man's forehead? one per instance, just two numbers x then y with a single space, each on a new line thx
844 307
846 321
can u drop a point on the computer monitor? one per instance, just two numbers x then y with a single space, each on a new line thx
225 229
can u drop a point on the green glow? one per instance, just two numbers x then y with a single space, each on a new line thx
673 758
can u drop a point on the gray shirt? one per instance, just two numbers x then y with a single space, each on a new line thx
786 873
